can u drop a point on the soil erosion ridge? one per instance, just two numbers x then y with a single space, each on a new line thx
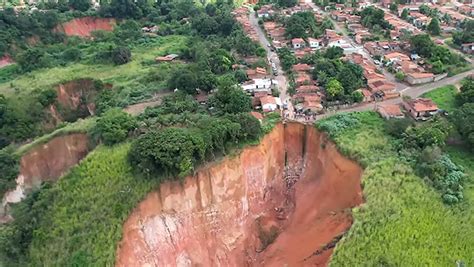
287 201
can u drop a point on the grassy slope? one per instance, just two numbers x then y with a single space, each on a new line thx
444 97
122 75
84 223
403 222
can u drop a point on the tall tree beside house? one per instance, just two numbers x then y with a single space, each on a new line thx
404 14
394 8
334 89
434 27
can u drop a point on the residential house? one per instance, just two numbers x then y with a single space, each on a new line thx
268 103
419 77
308 102
395 56
315 43
367 95
259 85
303 78
307 89
380 85
298 43
420 108
300 67
257 73
389 111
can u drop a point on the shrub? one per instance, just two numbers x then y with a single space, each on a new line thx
337 124
9 167
396 127
172 151
121 55
114 126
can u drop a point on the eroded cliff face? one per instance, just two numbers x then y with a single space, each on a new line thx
84 27
284 201
46 162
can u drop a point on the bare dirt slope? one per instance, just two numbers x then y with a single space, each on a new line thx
285 201
84 27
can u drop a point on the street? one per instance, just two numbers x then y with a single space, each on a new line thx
273 57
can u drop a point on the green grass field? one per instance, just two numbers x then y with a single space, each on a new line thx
124 75
444 97
83 223
403 221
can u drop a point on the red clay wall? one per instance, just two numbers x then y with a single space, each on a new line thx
83 27
214 217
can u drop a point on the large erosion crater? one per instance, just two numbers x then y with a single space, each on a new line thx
286 201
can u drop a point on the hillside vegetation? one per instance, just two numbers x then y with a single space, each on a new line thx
404 222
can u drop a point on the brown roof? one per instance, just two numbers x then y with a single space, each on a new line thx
390 109
297 41
268 99
257 115
422 75
422 105
307 88
301 67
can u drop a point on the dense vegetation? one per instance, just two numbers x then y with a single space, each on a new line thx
373 18
304 24
440 58
404 221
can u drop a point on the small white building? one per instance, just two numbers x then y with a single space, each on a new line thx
298 43
269 103
315 43
259 85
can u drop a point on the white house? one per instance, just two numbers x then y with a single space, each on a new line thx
315 43
269 103
259 85
298 43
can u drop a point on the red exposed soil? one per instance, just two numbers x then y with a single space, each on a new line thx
5 61
72 94
47 162
294 182
85 26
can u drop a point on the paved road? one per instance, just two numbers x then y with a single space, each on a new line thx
272 57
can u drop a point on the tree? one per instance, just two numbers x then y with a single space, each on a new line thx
334 52
400 76
397 127
81 5
250 127
72 54
287 3
357 96
261 52
114 126
9 168
433 27
462 118
230 99
172 151
240 76
437 67
424 9
467 92
121 55
394 8
206 80
404 14
31 59
183 79
422 44
334 88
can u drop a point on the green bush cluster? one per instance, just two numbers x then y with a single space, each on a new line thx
177 151
9 168
337 124
114 126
